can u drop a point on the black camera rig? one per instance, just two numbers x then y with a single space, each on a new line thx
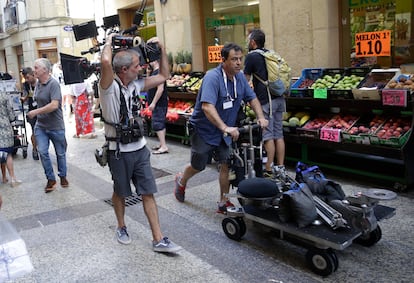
76 69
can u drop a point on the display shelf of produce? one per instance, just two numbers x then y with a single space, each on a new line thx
360 159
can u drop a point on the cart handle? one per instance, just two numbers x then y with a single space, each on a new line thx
246 128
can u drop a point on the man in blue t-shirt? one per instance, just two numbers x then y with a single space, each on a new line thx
214 120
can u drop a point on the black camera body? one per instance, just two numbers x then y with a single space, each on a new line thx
130 133
149 51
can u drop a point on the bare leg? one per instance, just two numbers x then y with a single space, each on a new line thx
10 168
188 173
224 182
161 138
269 146
151 211
3 173
119 208
280 150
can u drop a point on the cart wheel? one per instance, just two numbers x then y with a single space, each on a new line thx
24 153
335 258
242 226
371 239
231 228
322 262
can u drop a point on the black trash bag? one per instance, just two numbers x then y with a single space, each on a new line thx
297 205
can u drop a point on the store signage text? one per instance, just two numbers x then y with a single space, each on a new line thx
229 20
214 53
364 3
376 43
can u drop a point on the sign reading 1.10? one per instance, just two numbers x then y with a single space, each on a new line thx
376 43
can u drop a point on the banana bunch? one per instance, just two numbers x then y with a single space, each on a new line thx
296 120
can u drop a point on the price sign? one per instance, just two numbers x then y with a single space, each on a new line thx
376 43
329 134
214 53
321 93
394 97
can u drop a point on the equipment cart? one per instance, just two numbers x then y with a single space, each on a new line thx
261 205
19 125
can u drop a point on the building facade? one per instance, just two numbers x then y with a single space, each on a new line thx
308 34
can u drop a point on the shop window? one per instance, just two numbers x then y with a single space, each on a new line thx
229 21
381 15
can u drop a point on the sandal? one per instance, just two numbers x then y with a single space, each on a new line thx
160 151
157 147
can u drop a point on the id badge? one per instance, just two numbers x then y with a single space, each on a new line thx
227 104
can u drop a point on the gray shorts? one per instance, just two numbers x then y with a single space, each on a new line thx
275 129
132 166
201 152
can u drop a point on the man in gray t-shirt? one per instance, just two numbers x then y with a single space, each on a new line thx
50 126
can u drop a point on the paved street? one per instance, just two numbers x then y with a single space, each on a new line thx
69 233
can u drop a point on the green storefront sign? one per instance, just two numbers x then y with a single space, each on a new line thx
229 20
365 3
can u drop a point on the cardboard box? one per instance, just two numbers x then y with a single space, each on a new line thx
370 88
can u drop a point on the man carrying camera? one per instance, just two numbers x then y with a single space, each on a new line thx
129 158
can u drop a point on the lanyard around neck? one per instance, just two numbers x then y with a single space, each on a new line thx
225 84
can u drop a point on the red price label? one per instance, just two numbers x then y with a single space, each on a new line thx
214 53
328 134
376 43
394 97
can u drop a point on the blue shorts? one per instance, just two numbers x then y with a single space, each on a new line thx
274 130
158 118
201 152
132 166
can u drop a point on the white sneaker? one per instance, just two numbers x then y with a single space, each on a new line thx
280 172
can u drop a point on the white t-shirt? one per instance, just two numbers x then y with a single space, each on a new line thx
111 104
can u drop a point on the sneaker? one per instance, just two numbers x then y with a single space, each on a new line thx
179 191
280 172
50 186
222 207
268 174
64 182
165 246
122 236
14 183
35 155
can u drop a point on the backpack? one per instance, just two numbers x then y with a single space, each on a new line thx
278 73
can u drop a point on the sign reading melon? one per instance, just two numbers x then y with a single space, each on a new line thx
214 53
376 43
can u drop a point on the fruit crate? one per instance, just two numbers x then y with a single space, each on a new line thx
289 126
362 129
394 132
312 128
301 87
370 87
340 93
334 75
392 141
336 125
